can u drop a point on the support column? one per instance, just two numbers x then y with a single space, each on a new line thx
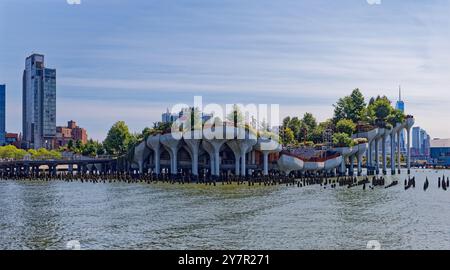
243 162
234 146
399 165
342 170
359 165
157 160
352 169
216 145
153 143
266 163
217 162
377 157
383 150
193 146
392 153
408 149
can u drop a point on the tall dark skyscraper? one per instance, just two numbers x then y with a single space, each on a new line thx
2 113
400 105
39 103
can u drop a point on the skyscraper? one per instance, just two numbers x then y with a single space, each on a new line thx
39 103
416 142
400 105
2 114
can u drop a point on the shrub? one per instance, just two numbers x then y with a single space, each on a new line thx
342 140
346 126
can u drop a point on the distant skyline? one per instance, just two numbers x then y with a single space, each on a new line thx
130 60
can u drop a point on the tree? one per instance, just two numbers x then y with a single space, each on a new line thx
19 154
90 148
79 146
346 126
288 136
395 117
118 139
350 107
236 116
286 121
295 125
342 140
381 108
146 132
11 152
70 145
309 121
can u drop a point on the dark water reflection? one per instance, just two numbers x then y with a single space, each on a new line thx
41 215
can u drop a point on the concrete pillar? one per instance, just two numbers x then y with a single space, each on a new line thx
383 153
342 170
266 162
362 149
153 142
217 144
393 134
210 150
243 162
194 146
157 160
352 169
172 146
408 149
399 165
234 146
377 156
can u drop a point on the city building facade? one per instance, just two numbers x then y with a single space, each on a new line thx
440 152
169 117
39 104
420 144
2 114
13 139
400 105
72 132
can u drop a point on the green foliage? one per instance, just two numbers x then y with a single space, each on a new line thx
350 107
236 116
146 132
346 126
118 139
309 121
288 137
380 109
11 152
395 117
92 148
342 140
44 154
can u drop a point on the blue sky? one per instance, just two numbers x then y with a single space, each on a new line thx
129 60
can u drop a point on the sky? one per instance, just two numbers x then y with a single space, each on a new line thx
130 60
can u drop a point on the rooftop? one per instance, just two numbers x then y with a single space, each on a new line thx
440 143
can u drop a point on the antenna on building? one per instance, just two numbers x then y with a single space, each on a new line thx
399 93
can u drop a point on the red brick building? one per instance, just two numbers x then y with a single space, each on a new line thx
13 139
70 133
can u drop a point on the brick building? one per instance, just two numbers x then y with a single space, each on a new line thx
71 132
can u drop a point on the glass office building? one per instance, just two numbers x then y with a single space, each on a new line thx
2 114
39 103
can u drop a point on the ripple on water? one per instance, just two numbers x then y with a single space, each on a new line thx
45 215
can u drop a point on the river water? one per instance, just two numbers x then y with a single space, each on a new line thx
46 215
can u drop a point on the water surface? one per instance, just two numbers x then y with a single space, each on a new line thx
46 215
